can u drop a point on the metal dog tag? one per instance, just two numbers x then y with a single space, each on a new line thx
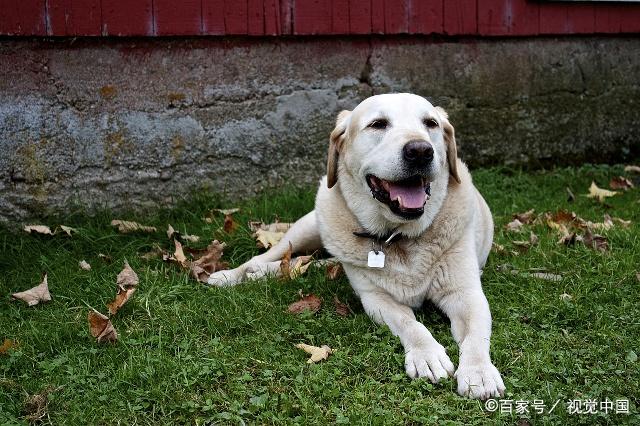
376 259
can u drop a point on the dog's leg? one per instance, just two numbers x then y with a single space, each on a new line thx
424 356
464 302
303 236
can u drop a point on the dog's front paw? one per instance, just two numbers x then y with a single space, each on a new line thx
479 381
432 363
225 278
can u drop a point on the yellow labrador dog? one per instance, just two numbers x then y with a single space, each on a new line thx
399 210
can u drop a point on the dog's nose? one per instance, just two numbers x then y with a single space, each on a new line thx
418 153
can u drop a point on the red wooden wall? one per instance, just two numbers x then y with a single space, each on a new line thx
305 17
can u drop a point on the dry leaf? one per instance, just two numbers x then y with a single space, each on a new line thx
68 230
8 344
285 263
84 265
105 257
310 302
272 227
546 276
620 182
266 239
595 241
565 296
101 328
170 232
227 212
342 309
568 239
624 223
35 295
230 225
125 226
292 269
190 238
334 270
599 193
178 254
514 225
632 169
497 248
209 262
127 283
317 353
533 240
526 217
38 229
127 277
122 296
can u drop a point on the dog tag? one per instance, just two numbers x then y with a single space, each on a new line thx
375 260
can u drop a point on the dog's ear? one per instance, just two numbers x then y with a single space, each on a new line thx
336 141
450 139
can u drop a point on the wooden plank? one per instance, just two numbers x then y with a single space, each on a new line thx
340 17
255 14
360 16
127 18
377 17
426 16
213 17
74 18
507 17
618 18
581 18
312 17
272 24
286 17
22 17
396 16
460 17
177 18
236 17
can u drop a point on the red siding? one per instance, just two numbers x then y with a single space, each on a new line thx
309 17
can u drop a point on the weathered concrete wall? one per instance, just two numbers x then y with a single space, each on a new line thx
134 123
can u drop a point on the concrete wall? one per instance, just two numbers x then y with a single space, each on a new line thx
134 123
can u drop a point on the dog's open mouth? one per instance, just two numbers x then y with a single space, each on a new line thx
406 197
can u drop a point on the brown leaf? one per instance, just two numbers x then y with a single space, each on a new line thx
334 270
84 265
620 182
632 169
599 193
125 226
178 254
67 230
170 232
342 309
317 353
127 283
285 263
38 229
272 227
101 328
526 217
514 225
310 302
127 277
35 295
122 296
209 262
568 239
266 239
595 241
154 253
8 344
230 225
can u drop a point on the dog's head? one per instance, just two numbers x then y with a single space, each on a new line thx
392 157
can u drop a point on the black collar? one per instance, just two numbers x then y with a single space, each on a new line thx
381 240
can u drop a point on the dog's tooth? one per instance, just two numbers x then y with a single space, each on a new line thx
399 200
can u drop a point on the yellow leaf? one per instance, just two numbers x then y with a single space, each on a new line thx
599 193
317 353
268 239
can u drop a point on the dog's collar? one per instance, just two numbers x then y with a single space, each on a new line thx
385 240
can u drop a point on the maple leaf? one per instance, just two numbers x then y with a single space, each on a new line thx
125 226
84 265
292 269
38 229
620 182
599 193
272 227
310 302
514 225
127 283
266 239
595 241
172 234
526 217
35 295
101 328
334 270
342 309
230 225
209 262
317 353
178 254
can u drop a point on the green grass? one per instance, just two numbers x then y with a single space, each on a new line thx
189 354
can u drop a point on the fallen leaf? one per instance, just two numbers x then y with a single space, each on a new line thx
620 182
533 240
334 270
632 169
317 353
599 193
170 232
127 282
342 309
8 344
546 276
105 257
595 241
497 248
38 229
569 239
154 253
605 225
285 263
526 217
35 295
227 212
68 230
209 262
101 328
310 302
125 226
127 277
272 227
230 225
266 239
565 296
514 225
84 265
624 223
191 238
178 254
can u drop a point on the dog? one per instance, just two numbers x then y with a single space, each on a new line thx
399 210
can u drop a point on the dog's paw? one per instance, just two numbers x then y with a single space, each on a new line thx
479 381
225 278
432 363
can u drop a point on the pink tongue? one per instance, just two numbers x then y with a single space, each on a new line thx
409 197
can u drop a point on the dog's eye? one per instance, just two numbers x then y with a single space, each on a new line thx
430 123
379 124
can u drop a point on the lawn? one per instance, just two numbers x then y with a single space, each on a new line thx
189 354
